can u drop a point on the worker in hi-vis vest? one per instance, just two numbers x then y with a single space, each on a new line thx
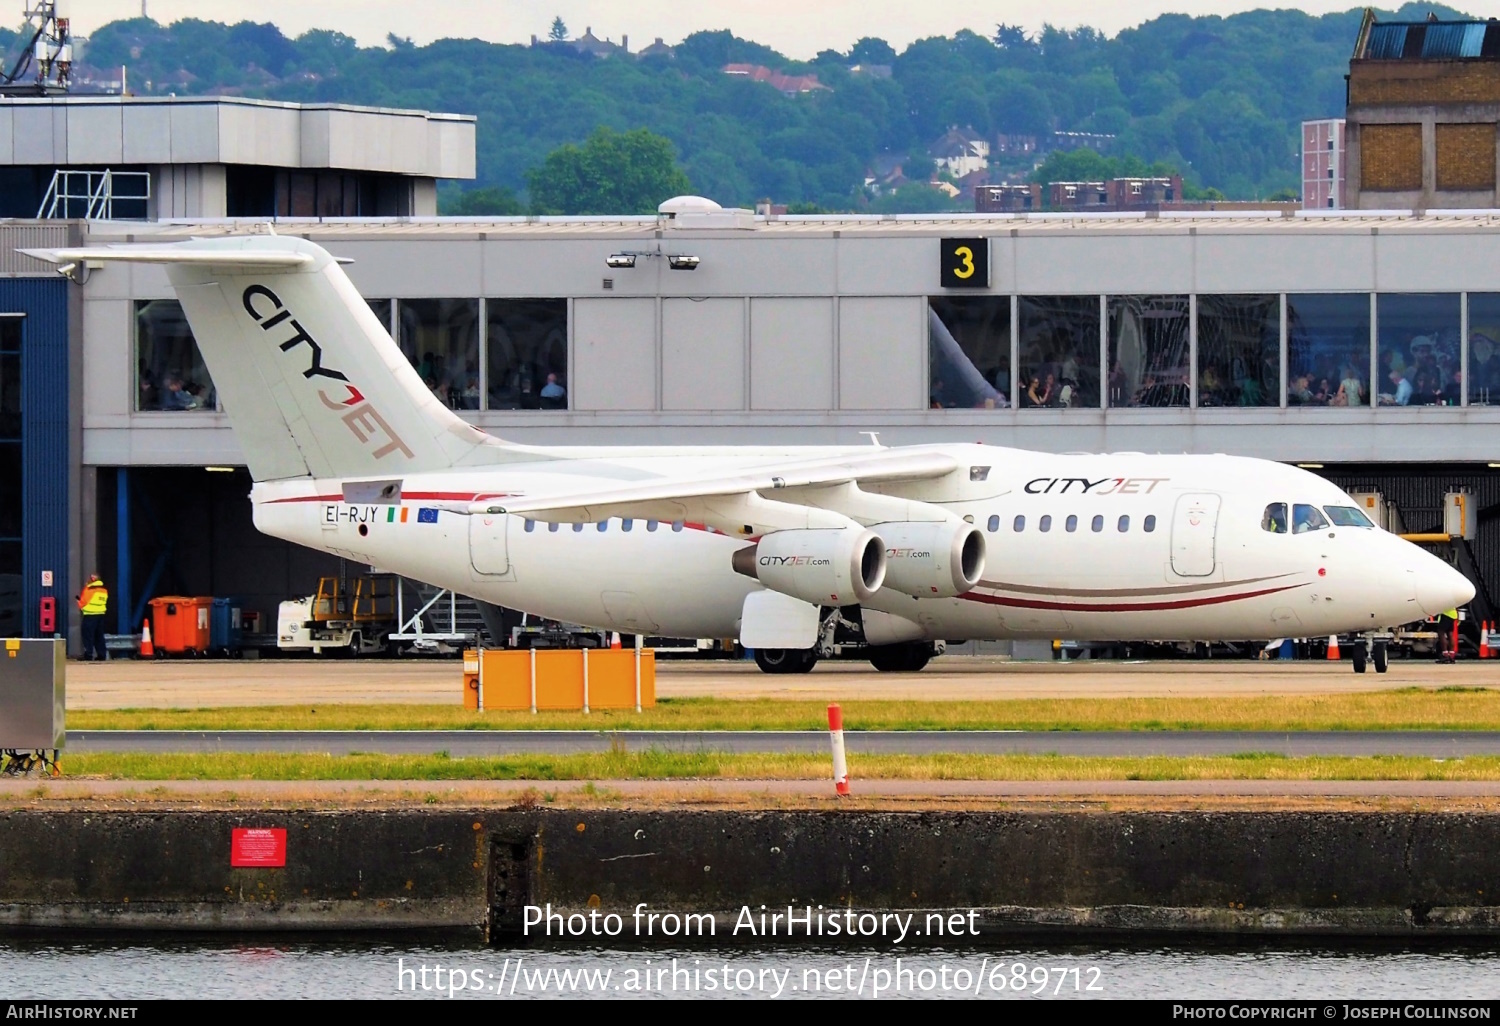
92 603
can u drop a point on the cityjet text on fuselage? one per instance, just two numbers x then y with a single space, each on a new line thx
1089 486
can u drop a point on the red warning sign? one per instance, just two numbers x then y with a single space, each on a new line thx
263 847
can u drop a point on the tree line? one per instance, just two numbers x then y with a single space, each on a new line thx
1218 99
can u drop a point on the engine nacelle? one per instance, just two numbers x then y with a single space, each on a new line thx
932 560
832 567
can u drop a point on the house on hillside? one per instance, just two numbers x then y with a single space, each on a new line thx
1015 143
657 49
1097 141
1007 198
789 85
591 44
886 173
961 152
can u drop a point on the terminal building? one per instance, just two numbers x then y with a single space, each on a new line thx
1365 345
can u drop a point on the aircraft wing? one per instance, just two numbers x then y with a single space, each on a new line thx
757 496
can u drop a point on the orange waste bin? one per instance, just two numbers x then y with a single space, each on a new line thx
180 624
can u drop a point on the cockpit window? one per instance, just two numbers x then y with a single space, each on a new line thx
1274 519
1347 516
979 473
1307 518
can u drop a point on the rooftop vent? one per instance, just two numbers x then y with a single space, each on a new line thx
701 212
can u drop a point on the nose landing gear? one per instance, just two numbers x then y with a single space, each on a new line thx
1370 648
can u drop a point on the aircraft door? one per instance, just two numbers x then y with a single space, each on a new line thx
1195 525
488 552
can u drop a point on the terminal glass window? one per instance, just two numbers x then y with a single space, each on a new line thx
441 339
1484 349
170 373
1059 351
527 351
381 308
1239 350
1149 354
1328 349
968 340
10 473
10 380
1418 345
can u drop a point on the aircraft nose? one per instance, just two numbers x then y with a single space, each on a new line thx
1441 588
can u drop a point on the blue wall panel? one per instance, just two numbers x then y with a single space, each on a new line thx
44 442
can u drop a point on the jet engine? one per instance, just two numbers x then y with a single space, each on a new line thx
827 567
932 560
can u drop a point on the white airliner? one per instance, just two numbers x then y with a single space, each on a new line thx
783 547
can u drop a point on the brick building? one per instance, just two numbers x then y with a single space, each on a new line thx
1423 103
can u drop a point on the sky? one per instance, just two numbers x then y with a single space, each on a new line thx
797 28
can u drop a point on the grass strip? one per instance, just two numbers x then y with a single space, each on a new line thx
659 765
1404 709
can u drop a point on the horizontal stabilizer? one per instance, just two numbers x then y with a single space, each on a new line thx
172 254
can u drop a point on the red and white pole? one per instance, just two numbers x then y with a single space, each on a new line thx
836 737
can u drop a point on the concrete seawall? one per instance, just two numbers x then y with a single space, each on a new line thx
1397 873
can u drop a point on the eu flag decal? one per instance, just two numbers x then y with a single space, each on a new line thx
427 515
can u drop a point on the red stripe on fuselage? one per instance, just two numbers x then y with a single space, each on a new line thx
1102 607
405 496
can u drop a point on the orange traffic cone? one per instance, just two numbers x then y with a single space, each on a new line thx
1333 646
1484 640
148 650
614 640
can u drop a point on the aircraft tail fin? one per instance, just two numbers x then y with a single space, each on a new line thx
312 381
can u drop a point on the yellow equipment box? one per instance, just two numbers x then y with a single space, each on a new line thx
560 679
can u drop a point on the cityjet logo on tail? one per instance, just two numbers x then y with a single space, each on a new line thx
1103 486
358 414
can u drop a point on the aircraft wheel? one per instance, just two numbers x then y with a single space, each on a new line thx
917 655
785 660
1382 657
902 658
1359 656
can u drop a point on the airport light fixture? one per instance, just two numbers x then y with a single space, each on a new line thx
626 260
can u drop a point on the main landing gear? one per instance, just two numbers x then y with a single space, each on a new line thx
786 660
904 658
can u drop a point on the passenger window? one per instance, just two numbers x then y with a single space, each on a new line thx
626 524
530 526
677 525
1149 524
1019 524
577 528
1044 524
651 525
1071 523
554 528
1097 525
994 524
1274 519
1307 518
603 526
1123 525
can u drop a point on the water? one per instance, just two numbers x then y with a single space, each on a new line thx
81 967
